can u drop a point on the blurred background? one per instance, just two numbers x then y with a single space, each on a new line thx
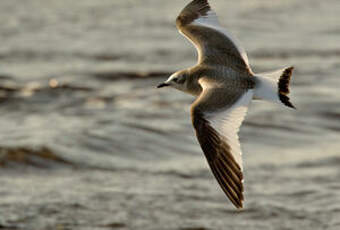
88 142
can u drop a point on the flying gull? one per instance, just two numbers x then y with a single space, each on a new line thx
224 86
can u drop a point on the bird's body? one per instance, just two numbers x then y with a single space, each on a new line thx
224 86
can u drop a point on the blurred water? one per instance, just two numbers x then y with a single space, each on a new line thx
101 119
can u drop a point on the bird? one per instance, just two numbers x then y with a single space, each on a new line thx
223 85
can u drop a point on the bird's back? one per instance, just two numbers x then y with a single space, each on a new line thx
219 76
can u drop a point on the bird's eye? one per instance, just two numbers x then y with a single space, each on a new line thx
180 80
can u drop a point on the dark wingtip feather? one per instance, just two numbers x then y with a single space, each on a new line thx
192 11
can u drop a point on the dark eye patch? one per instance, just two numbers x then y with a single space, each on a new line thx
180 80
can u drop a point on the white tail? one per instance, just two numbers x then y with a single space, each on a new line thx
274 86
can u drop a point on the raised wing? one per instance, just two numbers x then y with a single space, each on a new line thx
199 23
217 123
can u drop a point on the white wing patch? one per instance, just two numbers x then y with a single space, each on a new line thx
228 123
211 20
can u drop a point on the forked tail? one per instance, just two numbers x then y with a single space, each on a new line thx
274 86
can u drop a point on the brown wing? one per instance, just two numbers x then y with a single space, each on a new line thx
214 44
217 123
222 163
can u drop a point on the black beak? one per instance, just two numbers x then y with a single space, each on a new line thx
162 85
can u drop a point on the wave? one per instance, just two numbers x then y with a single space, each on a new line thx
284 54
42 157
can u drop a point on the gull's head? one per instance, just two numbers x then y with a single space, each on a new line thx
177 80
